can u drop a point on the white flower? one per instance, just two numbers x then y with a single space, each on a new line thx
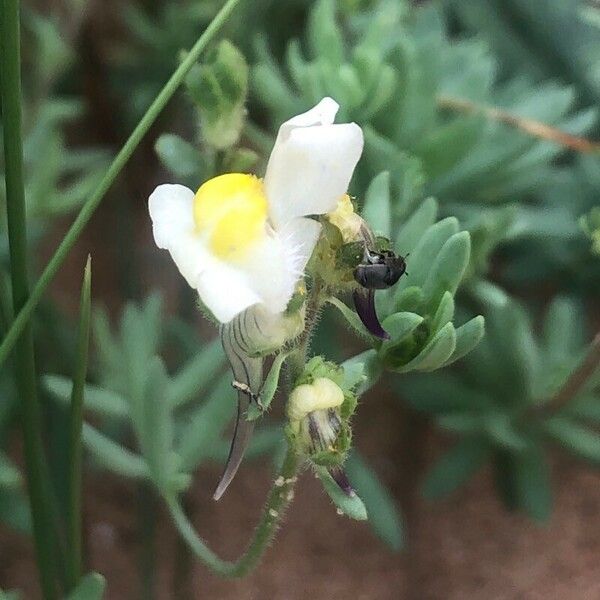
241 241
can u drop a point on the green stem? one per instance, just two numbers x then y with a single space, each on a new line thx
113 171
38 486
74 552
279 498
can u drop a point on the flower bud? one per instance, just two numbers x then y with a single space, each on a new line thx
314 412
220 88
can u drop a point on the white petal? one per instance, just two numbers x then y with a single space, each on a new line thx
300 237
223 288
225 291
171 211
321 114
272 272
311 164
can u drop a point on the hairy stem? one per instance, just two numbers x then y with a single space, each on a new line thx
88 209
37 480
279 498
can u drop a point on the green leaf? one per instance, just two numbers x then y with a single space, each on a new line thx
579 440
179 156
113 456
534 488
408 300
436 352
448 268
413 230
10 477
502 430
444 312
204 427
352 506
15 511
91 587
442 393
400 325
368 365
324 37
467 338
196 375
351 317
268 389
377 208
100 400
12 595
456 467
153 423
425 253
384 517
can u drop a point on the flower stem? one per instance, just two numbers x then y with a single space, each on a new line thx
88 209
279 498
38 483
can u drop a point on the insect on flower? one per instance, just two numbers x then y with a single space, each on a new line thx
243 243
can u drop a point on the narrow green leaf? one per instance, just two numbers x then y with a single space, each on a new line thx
384 517
400 325
91 587
502 430
408 300
324 37
426 251
580 440
456 467
467 338
534 488
10 477
177 155
436 352
268 389
205 426
412 231
153 422
74 552
442 392
98 399
194 376
352 506
377 210
444 312
113 456
362 370
448 268
351 317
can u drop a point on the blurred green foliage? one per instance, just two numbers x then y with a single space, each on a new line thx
481 206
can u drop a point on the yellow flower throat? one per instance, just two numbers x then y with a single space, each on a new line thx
231 210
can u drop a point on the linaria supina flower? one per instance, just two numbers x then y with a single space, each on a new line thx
241 241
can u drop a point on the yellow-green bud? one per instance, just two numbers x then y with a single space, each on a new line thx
314 412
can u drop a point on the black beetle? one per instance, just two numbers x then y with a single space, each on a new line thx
379 270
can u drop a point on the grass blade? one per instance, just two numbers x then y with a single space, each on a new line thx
37 474
74 549
85 214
